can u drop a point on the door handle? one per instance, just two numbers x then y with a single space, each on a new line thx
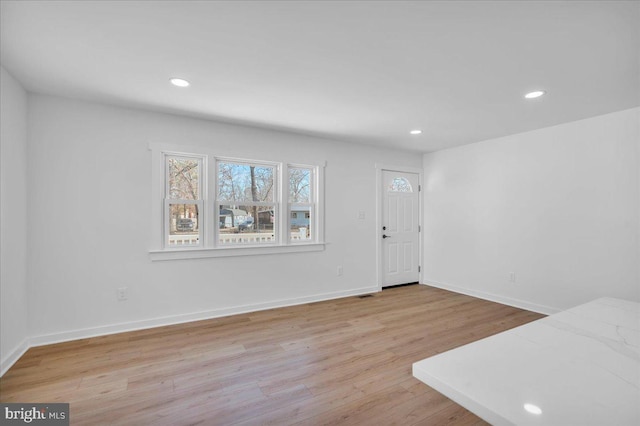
385 236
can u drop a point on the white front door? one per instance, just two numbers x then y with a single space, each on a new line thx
400 228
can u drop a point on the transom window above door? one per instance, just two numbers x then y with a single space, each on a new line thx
400 184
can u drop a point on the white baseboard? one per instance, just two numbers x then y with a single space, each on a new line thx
517 303
14 356
47 339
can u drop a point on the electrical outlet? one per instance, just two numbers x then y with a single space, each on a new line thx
339 270
123 294
512 277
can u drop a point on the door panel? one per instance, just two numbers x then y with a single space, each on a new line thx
392 213
400 211
408 257
410 222
393 258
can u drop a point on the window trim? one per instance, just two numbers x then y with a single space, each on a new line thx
236 250
209 232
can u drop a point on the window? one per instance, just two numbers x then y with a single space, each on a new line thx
245 204
400 184
210 206
183 200
301 204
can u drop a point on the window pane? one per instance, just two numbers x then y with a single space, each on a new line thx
183 225
183 178
247 224
299 185
301 223
244 182
400 184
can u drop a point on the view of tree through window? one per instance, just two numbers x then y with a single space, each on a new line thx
246 196
244 182
209 203
183 189
300 204
299 185
183 178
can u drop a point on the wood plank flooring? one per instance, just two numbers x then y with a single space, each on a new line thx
345 361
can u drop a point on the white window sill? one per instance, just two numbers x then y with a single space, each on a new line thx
201 253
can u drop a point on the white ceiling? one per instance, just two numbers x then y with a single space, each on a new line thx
362 71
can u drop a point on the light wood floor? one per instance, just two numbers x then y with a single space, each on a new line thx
345 361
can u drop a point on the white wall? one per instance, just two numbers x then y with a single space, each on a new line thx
557 206
90 174
13 220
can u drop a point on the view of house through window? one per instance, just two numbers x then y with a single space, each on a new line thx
246 203
301 204
183 200
213 202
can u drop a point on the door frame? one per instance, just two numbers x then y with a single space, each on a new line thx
403 169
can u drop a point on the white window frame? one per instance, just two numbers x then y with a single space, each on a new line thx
202 189
208 210
276 203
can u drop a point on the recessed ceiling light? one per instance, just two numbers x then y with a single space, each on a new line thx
415 132
179 82
533 409
535 94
